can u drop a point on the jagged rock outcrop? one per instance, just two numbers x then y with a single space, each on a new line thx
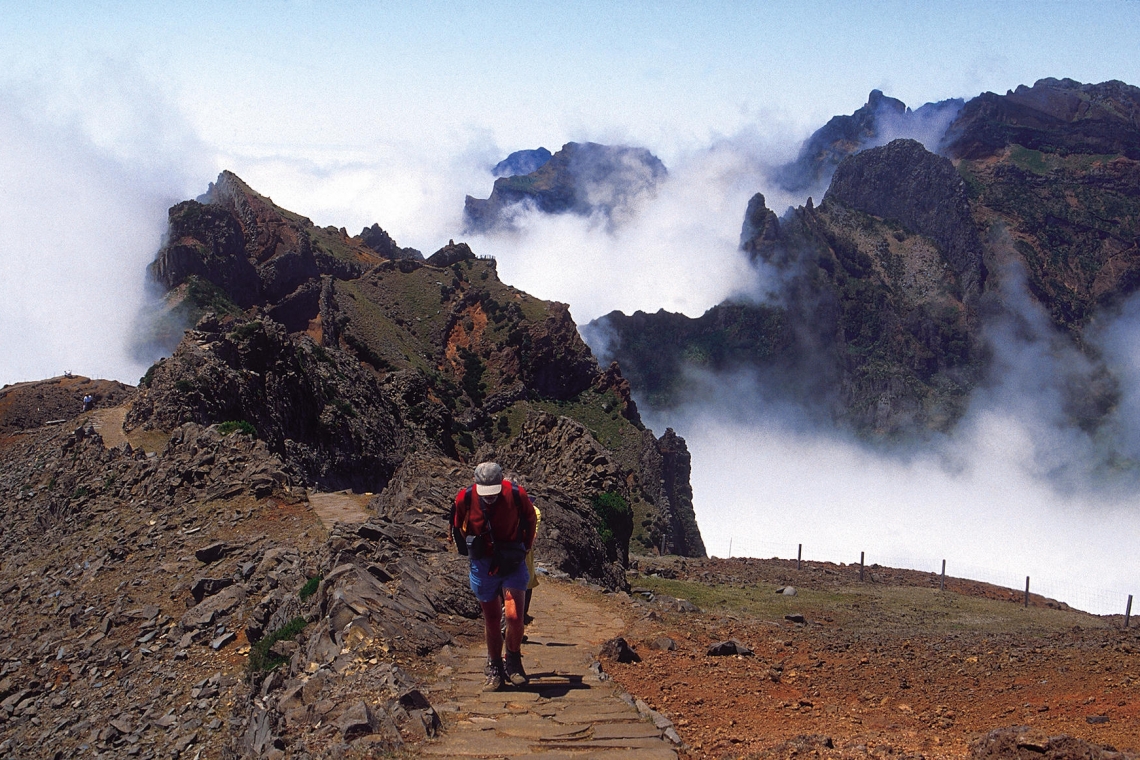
565 470
874 326
452 253
380 241
880 120
665 469
581 178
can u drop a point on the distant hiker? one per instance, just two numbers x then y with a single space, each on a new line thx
493 523
527 619
88 402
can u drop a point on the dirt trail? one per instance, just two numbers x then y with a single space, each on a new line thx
108 423
342 506
567 710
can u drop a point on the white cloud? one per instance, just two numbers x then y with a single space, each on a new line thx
1015 490
83 214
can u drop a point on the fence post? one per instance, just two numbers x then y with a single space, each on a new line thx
860 567
1128 611
1027 592
799 556
942 583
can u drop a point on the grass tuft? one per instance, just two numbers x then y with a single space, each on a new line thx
261 660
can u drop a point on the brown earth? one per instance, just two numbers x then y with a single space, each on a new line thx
891 666
25 406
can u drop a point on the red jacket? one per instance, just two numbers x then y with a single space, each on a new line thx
505 515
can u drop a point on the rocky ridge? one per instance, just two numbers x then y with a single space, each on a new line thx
888 285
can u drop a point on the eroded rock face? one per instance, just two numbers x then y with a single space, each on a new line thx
665 470
904 182
563 468
325 415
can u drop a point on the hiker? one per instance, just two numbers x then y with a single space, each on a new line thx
493 523
88 402
527 619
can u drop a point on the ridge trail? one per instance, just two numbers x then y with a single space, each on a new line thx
108 423
565 712
339 506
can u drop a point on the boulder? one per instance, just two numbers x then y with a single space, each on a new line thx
727 648
619 649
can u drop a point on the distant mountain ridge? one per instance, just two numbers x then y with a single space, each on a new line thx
521 162
581 178
879 121
889 282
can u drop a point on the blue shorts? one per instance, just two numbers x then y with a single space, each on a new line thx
487 586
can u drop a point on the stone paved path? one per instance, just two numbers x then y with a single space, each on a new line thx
566 711
341 506
108 423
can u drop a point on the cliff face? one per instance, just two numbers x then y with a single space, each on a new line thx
888 284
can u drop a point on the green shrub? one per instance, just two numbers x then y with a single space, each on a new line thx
310 587
148 378
260 659
237 426
242 332
344 407
185 386
612 510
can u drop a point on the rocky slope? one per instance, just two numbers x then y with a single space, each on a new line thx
888 286
581 178
173 592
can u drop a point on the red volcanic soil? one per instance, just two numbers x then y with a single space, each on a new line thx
889 667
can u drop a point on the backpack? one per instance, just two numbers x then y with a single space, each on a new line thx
465 544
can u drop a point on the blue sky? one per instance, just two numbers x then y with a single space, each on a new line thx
360 112
294 75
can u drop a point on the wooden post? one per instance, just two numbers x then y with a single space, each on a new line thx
942 583
1027 592
860 567
799 556
1128 611
730 547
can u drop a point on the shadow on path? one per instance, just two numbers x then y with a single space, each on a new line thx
566 711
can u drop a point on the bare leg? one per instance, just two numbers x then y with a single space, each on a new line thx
491 622
514 607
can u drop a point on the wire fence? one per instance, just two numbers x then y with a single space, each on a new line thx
1093 600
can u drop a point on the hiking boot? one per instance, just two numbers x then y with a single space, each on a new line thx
494 675
515 672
